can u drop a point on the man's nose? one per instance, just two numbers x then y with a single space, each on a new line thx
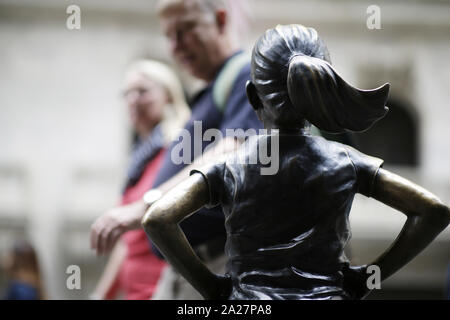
176 43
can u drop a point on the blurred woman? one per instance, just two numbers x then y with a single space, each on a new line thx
157 108
22 269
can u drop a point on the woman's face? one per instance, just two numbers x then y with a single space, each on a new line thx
146 100
7 262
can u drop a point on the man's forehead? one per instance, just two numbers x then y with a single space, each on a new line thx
181 16
181 9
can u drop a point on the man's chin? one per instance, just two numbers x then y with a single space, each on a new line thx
192 70
188 65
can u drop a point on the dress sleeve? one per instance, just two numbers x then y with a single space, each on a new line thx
214 177
366 170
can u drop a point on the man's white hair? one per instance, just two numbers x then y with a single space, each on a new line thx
210 6
238 11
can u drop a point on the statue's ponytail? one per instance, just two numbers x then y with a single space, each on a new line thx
293 76
330 103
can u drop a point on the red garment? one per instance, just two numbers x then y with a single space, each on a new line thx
141 269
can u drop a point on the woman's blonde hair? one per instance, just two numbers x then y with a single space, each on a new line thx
177 112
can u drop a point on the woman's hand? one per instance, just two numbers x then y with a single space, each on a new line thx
108 228
355 281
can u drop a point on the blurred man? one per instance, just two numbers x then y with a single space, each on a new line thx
202 43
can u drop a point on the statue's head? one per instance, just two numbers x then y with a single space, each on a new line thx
293 83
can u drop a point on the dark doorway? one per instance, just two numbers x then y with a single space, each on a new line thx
394 138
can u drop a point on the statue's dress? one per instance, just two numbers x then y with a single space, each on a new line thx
286 232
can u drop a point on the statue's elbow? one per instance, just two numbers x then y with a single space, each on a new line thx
153 219
441 215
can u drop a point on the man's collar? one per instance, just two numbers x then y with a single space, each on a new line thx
223 65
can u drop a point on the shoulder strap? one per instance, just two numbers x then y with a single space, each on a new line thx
226 78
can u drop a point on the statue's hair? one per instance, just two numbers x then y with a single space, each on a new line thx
293 76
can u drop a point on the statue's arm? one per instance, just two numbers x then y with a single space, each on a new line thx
161 223
426 215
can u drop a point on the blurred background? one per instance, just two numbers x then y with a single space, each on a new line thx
65 136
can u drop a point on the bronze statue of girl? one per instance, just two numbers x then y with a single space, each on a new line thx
286 232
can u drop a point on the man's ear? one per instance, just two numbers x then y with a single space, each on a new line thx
253 96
